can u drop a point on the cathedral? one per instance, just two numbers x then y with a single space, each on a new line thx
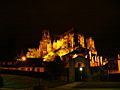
62 45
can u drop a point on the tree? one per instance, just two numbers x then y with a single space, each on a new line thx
56 68
1 82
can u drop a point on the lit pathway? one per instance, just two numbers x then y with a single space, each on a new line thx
66 87
89 86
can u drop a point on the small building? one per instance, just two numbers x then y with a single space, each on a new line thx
78 66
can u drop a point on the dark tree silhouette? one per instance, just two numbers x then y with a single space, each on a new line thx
1 82
56 68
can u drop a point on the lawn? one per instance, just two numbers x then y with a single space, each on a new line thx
16 81
21 82
88 89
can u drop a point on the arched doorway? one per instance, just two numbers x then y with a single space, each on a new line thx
80 71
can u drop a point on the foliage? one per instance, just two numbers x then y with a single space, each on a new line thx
1 82
99 73
56 68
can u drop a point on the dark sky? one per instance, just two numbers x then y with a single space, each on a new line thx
21 22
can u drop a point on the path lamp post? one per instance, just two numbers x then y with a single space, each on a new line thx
81 69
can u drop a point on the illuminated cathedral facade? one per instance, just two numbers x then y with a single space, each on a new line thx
63 45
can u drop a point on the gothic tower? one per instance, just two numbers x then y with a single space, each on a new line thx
45 44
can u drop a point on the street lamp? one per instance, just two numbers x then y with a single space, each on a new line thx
23 58
81 69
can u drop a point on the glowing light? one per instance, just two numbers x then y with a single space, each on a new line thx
81 69
23 58
104 63
86 56
74 56
118 56
90 55
118 65
101 61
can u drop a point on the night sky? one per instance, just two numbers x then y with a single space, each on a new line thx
21 23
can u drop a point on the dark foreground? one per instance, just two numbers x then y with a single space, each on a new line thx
77 86
98 85
21 82
90 86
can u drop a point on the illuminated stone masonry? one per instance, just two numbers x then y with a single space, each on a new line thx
66 43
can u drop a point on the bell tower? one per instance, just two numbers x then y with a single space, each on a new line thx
45 44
